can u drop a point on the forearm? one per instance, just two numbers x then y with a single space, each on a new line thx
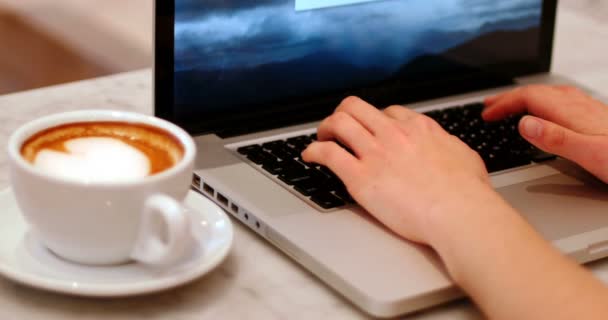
509 270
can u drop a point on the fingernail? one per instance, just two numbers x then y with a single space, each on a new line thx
483 112
532 128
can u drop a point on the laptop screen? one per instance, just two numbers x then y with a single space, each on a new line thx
243 57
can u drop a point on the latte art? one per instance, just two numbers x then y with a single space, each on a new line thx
102 151
95 160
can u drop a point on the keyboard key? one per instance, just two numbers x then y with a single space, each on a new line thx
299 143
344 195
326 200
293 174
474 108
248 149
273 144
261 157
299 139
299 147
327 172
293 178
287 151
275 168
308 186
304 163
294 165
319 177
282 153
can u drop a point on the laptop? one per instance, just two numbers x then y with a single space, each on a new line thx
250 80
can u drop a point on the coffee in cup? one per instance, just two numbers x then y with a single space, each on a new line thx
103 187
102 151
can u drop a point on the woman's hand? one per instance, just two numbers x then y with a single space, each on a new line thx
404 167
563 121
428 186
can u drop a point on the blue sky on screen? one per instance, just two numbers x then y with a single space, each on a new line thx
226 33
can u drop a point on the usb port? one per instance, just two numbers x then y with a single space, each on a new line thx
234 208
223 200
207 188
196 181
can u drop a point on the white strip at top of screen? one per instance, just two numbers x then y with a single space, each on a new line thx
319 4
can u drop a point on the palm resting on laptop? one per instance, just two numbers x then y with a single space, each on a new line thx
429 187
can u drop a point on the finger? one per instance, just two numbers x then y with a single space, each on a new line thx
366 114
558 140
576 94
569 89
405 116
344 128
400 113
545 102
518 101
492 99
338 160
494 110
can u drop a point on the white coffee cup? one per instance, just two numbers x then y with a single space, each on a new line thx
110 222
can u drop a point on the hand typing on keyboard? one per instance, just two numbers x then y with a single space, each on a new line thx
428 185
403 165
564 121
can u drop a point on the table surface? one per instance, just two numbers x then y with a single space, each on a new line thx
256 281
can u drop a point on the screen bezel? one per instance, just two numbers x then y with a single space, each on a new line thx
286 113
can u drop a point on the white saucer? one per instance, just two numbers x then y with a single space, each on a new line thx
24 260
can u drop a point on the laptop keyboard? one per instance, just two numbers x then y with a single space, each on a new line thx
498 143
282 158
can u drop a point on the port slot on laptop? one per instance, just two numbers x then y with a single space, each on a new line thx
234 208
223 200
208 189
196 181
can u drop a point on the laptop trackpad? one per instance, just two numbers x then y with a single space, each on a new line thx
561 205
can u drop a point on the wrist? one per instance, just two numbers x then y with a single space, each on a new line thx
447 215
456 226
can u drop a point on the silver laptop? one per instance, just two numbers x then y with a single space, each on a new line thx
251 79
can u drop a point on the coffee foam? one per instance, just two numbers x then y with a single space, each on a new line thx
95 160
102 151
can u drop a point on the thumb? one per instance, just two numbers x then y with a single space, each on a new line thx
558 140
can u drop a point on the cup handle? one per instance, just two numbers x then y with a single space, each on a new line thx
154 246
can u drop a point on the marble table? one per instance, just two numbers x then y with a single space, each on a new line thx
256 281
